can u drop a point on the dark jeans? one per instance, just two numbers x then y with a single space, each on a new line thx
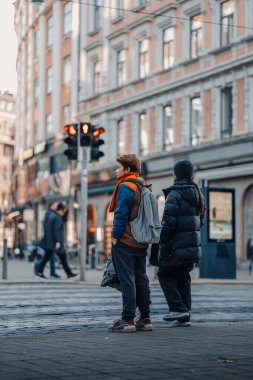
63 259
52 264
176 285
130 266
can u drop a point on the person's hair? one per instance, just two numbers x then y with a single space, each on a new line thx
61 206
130 161
50 204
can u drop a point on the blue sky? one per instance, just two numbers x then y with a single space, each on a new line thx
8 47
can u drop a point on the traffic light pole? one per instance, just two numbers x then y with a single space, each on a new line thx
5 250
84 199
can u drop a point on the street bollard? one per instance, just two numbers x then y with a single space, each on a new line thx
5 260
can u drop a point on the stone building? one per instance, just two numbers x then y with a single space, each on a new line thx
166 79
7 128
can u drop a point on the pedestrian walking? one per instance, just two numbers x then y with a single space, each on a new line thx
180 242
53 241
51 207
128 255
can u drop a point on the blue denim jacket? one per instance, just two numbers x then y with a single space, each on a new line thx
124 203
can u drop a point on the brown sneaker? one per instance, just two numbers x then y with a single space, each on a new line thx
121 326
144 324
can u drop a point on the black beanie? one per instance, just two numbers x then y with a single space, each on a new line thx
183 170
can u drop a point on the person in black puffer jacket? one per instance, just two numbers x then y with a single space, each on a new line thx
180 242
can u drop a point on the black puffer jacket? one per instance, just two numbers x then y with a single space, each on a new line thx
180 241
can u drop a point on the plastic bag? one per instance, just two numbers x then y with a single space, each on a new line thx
110 277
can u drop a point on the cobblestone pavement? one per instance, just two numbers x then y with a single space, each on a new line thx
59 307
59 331
205 351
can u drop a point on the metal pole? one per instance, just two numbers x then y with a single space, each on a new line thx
84 191
5 253
5 258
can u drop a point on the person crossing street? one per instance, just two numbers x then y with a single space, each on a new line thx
53 241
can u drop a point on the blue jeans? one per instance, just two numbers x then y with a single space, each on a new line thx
130 266
52 264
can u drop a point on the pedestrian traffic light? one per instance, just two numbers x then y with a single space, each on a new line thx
85 134
72 141
95 153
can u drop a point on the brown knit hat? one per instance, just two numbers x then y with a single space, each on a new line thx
130 161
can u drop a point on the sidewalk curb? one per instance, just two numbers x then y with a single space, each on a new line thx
92 283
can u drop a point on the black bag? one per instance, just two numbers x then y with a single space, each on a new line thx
110 277
153 258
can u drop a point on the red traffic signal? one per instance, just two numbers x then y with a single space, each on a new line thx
71 141
71 129
97 131
95 153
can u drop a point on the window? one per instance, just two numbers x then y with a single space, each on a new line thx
49 80
10 107
49 124
36 90
168 47
227 20
37 42
122 137
2 105
66 115
66 70
67 18
8 150
49 31
97 15
196 35
226 111
119 5
142 2
143 58
37 132
195 120
121 67
143 134
96 77
168 130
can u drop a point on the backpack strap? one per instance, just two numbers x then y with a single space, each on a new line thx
140 184
136 182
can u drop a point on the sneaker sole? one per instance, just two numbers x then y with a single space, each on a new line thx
186 324
125 330
174 318
145 328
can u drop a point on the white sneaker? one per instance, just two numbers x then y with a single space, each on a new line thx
176 315
180 324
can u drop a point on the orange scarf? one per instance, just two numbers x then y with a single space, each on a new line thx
120 180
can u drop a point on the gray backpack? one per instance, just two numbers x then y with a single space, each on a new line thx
146 228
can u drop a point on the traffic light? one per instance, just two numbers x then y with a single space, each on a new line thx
85 134
71 141
95 153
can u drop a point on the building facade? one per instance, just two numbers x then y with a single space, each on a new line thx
47 68
7 128
166 79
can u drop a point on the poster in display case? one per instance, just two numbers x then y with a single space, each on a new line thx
221 225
